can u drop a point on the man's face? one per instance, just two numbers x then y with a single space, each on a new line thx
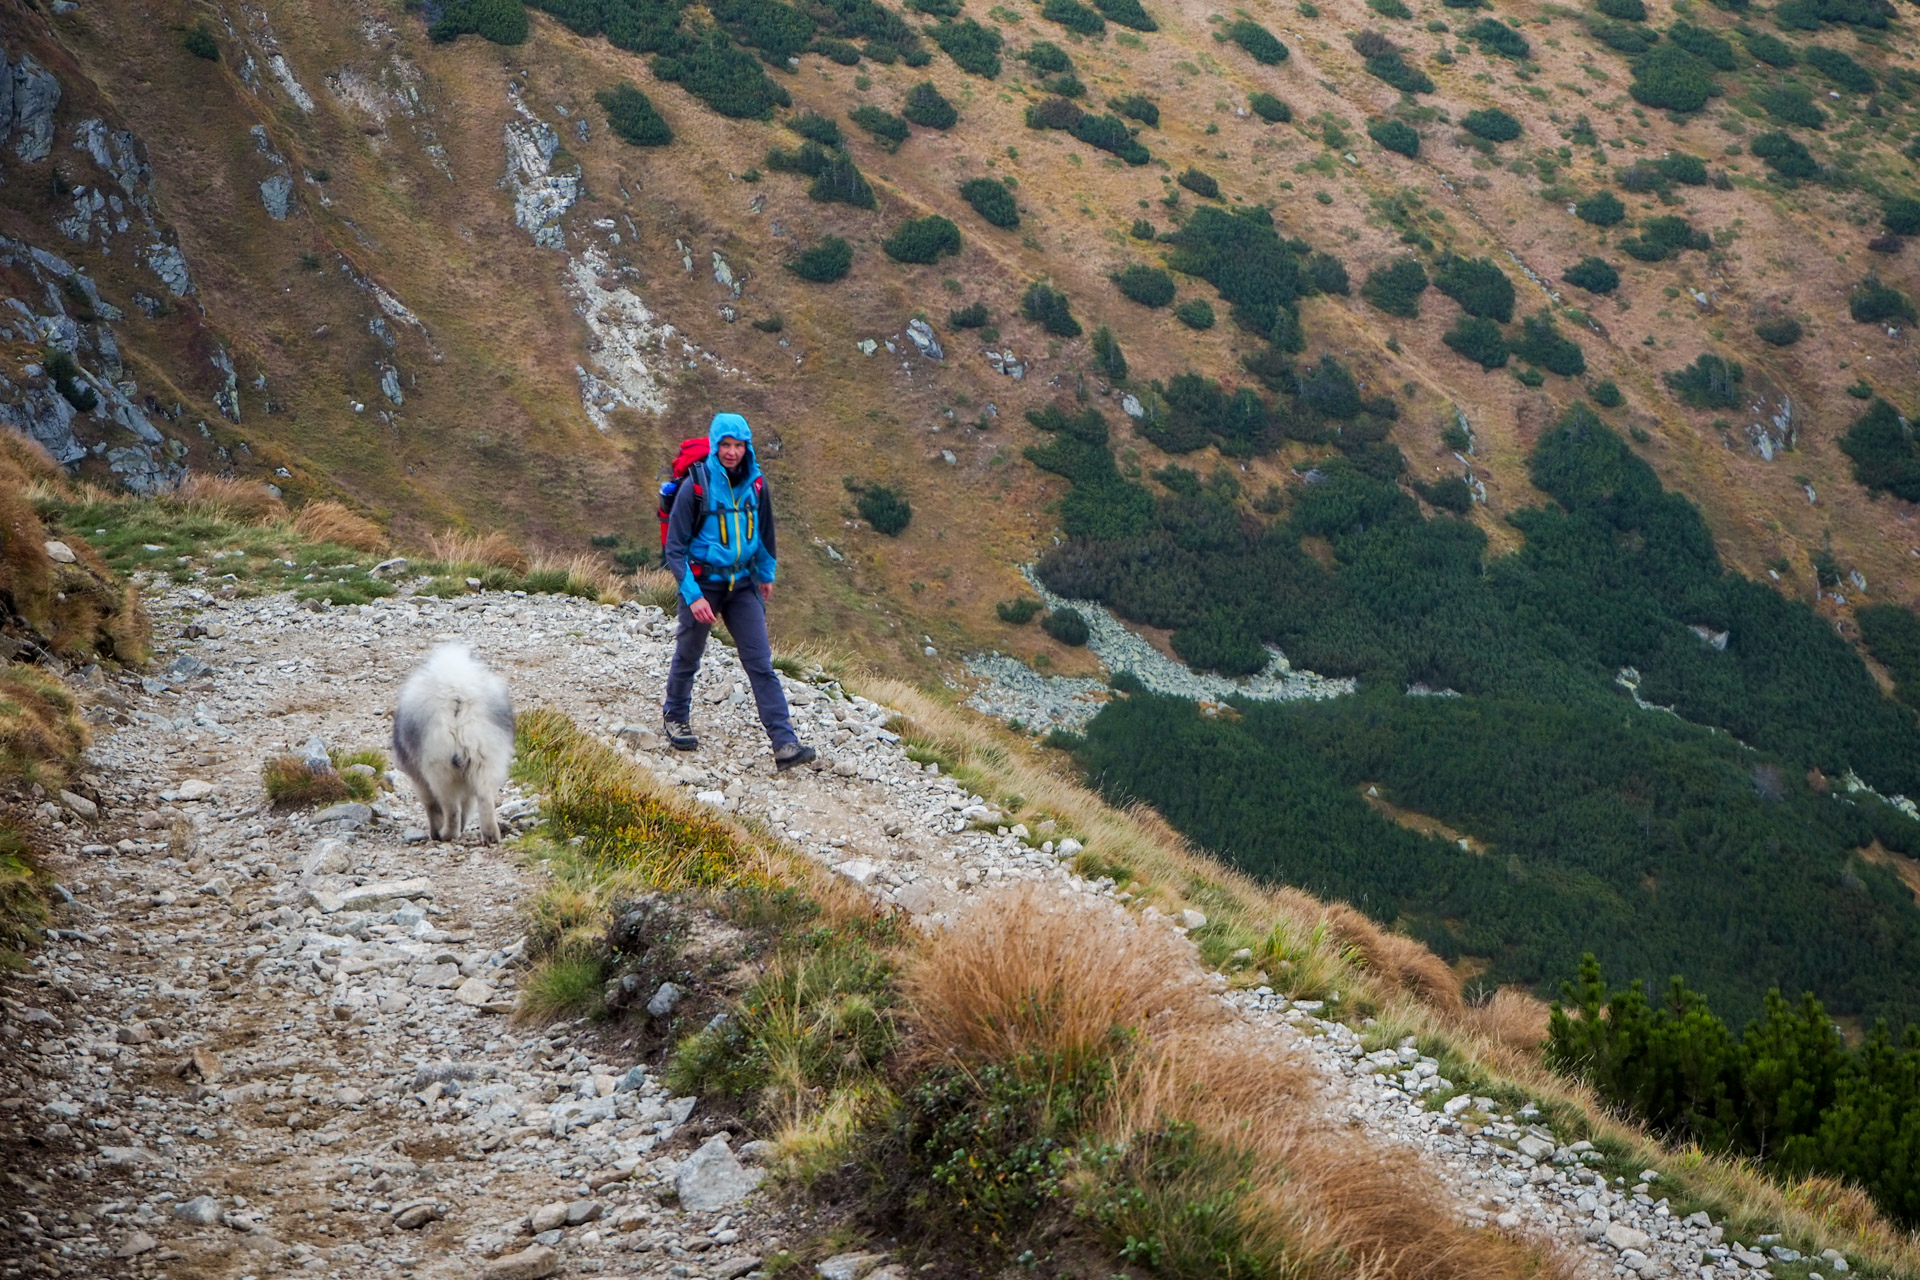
731 451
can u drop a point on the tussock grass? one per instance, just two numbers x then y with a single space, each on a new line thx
290 784
242 501
561 986
588 577
657 588
333 522
493 550
23 900
41 733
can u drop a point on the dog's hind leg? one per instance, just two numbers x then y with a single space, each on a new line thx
489 823
436 817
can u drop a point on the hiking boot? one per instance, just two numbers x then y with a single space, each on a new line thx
680 736
789 754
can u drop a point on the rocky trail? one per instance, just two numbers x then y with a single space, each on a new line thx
263 1044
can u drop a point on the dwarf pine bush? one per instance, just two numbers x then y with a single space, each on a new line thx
991 200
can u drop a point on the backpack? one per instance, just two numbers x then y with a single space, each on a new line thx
693 452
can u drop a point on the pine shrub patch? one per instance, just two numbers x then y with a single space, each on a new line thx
1046 56
991 200
1703 44
1873 302
1048 307
1269 108
1067 626
199 41
1792 104
1779 331
1495 36
1478 285
725 77
887 510
972 316
1493 124
816 128
1839 68
1606 394
974 49
1395 135
1786 155
1195 313
888 129
1880 442
1392 68
1769 49
631 116
1479 340
1624 10
1261 44
1396 287
1074 16
1670 78
1665 237
1201 184
1148 286
1542 344
1136 106
1107 356
923 240
1127 13
927 107
826 262
1592 274
1901 216
1602 209
1710 382
498 21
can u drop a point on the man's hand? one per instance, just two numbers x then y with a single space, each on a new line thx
766 591
702 611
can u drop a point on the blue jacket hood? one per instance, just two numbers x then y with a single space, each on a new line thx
729 424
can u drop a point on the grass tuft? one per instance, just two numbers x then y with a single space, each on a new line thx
332 522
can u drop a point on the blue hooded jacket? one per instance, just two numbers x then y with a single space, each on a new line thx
734 541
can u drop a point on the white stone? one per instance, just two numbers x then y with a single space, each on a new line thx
60 552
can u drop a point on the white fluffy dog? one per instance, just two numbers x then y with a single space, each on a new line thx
453 736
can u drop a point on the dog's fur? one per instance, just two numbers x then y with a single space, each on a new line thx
453 736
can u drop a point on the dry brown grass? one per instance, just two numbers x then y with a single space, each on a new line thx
1397 961
243 501
333 522
1512 1019
289 784
1034 979
41 733
79 609
493 550
584 574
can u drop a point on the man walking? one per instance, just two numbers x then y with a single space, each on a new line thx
720 550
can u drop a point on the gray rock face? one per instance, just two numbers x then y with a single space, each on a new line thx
540 198
664 1000
276 193
45 416
6 97
535 1262
167 262
36 93
390 385
712 1178
201 1211
920 333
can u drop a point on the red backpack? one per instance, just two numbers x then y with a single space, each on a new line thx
693 452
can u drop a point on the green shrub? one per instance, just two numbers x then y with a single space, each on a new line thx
1670 78
1326 274
1779 331
1542 344
1269 108
1771 50
972 316
1839 68
1807 15
974 49
1107 356
1452 494
1390 9
839 52
631 116
888 130
1624 10
1074 16
816 128
1786 155
1479 340
1629 38
1688 171
840 181
887 511
1396 287
1703 44
1393 69
1901 216
1592 274
1148 286
729 79
1606 394
1394 136
779 30
1066 85
1793 105
1477 284
935 8
64 373
1495 36
928 108
200 43
1710 382
1221 641
1261 44
1892 634
1067 626
1872 302
991 200
500 21
1241 255
1195 313
1881 444
826 262
1053 113
1665 237
1018 611
1201 184
1135 106
1142 230
1109 133
923 240
1049 308
1046 56
1127 13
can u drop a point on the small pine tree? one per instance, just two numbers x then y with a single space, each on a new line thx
887 511
1107 356
826 262
923 240
632 117
927 107
991 200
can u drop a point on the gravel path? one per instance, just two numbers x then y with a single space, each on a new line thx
261 1044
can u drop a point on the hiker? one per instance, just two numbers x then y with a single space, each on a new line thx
719 549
